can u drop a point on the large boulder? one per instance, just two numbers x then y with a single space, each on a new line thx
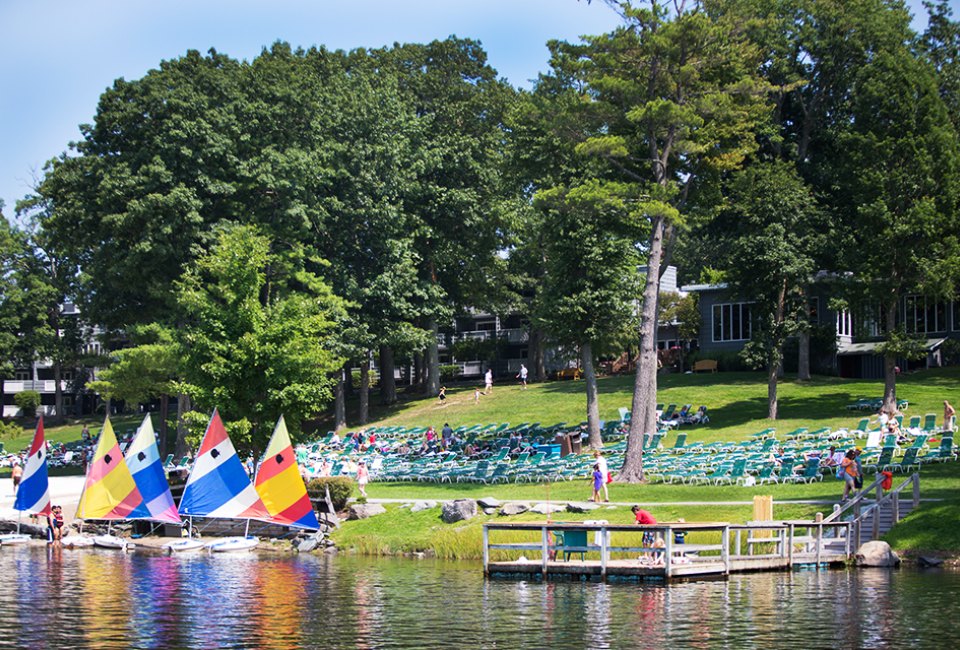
488 502
510 509
877 554
547 508
423 505
365 510
458 510
582 507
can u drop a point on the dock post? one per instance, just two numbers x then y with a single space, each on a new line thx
604 551
819 543
896 508
787 536
486 551
725 547
668 552
916 489
545 547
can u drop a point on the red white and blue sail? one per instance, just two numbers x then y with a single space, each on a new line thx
33 495
143 460
218 485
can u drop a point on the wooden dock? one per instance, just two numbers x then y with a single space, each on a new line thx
615 551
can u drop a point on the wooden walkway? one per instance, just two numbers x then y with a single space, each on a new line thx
617 552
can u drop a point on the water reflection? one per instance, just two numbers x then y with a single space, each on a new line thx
98 599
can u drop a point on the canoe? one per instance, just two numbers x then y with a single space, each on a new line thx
183 546
233 544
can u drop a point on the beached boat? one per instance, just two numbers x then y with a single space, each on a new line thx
112 542
183 546
33 493
233 544
77 541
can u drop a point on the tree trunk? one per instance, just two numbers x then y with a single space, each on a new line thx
365 388
593 408
416 370
535 353
164 413
57 391
643 418
775 354
772 368
388 385
890 364
340 402
803 358
181 448
433 360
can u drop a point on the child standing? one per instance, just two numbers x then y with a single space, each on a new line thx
597 483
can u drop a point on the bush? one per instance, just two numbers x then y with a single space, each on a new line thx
9 429
28 401
448 373
341 488
373 377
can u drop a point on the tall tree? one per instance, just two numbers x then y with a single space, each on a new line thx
591 285
898 182
777 230
673 96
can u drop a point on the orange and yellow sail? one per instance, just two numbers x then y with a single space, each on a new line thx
109 491
280 485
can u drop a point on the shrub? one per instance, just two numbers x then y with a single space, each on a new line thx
341 487
448 373
373 377
28 401
9 429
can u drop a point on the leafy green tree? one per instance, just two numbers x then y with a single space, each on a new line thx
941 43
591 285
256 350
670 99
898 180
777 230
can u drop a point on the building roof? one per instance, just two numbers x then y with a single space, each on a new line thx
870 347
705 287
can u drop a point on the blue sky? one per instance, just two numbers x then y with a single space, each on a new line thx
57 56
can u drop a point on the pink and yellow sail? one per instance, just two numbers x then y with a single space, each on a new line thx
280 484
109 491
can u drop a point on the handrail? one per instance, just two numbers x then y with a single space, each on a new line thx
854 502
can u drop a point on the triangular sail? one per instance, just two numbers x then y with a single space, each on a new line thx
280 485
33 495
109 491
218 486
143 461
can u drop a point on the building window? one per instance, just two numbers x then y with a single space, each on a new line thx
814 307
844 323
956 315
731 322
922 316
23 375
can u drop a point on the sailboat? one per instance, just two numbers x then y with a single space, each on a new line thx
280 484
33 494
218 487
109 491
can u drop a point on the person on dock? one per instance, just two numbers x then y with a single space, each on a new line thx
644 518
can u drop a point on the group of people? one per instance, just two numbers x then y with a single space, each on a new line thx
487 385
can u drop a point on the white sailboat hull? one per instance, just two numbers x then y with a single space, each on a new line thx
183 546
111 542
77 541
12 539
233 545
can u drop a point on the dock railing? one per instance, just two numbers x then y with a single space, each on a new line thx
720 548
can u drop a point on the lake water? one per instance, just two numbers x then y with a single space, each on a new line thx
63 598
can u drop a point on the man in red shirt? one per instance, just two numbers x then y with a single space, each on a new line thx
643 517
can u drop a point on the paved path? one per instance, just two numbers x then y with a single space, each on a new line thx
64 491
630 503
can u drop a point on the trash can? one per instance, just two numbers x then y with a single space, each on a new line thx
576 442
563 440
